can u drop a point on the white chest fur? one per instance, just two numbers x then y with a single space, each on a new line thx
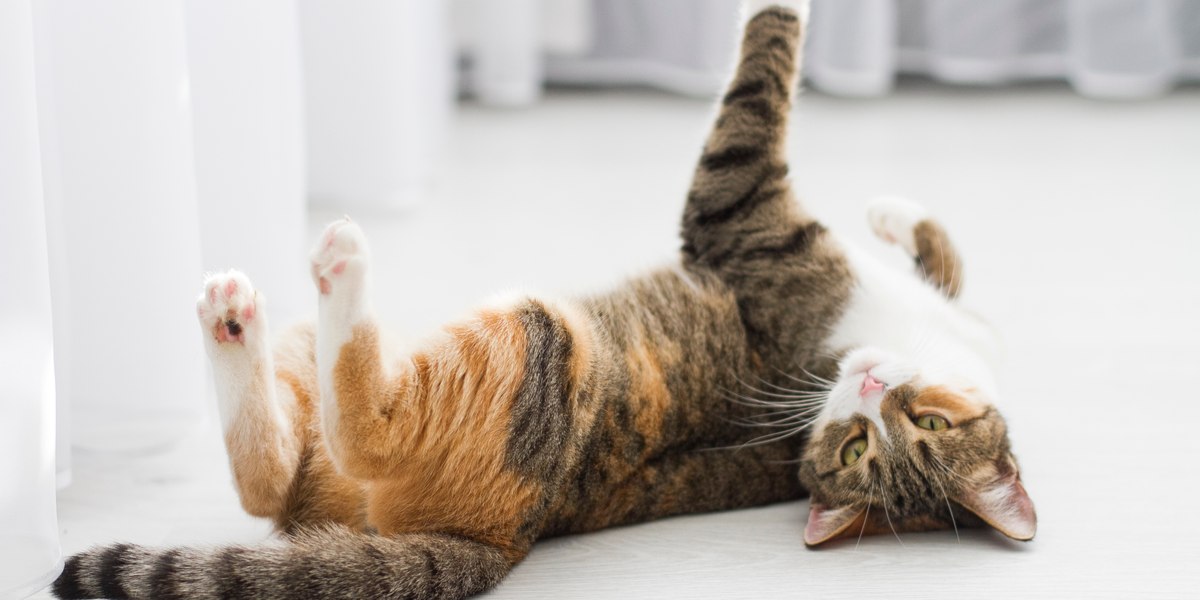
895 312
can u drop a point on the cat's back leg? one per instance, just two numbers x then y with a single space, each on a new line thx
460 443
266 398
467 432
909 225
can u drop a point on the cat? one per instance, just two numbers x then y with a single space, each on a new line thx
430 474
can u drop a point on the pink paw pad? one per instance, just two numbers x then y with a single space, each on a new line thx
340 245
227 307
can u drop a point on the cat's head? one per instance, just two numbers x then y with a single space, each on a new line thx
898 447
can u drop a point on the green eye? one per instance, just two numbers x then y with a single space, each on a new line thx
854 451
932 422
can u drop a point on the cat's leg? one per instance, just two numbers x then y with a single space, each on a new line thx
324 562
740 207
742 221
278 461
461 434
907 224
263 450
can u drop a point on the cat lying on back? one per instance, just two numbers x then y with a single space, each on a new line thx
430 474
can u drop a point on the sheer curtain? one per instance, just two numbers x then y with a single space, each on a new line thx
121 200
29 551
1104 48
144 142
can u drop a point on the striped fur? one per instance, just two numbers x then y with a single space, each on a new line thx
325 564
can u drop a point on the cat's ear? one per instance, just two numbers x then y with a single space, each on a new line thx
826 523
1003 503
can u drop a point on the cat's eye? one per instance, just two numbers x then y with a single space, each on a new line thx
854 451
932 422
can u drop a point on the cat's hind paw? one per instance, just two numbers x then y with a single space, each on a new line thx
894 220
229 310
339 259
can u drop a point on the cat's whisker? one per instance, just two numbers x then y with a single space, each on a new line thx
796 396
782 422
744 400
948 471
793 394
819 392
789 411
779 409
866 518
889 519
816 377
816 381
776 401
951 509
776 404
769 437
747 422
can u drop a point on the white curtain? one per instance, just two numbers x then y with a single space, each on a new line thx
503 43
143 142
122 219
29 551
248 146
379 90
1104 48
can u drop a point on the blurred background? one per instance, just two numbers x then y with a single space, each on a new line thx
547 145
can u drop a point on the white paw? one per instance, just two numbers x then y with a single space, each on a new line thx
339 260
894 219
753 7
229 309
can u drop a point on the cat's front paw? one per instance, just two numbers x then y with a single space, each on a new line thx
894 220
339 260
800 7
229 308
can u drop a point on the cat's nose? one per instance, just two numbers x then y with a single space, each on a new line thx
870 384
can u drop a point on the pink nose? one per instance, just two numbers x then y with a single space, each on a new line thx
870 384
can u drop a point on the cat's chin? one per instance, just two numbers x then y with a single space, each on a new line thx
858 362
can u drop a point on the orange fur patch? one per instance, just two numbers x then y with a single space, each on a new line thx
649 396
432 440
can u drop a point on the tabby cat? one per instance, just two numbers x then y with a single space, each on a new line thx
430 474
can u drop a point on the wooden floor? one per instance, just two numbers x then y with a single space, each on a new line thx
1078 223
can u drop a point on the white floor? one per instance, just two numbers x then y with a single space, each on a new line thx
1078 221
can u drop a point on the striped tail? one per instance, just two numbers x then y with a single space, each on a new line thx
740 204
321 565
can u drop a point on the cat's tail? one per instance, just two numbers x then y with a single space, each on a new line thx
317 565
